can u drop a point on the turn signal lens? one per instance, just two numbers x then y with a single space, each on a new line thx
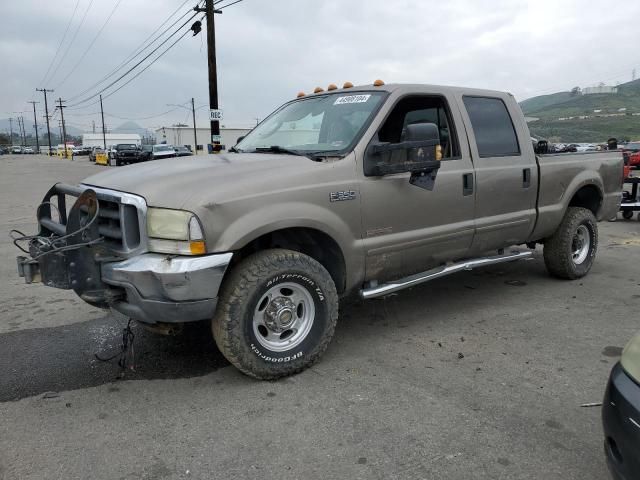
438 152
197 248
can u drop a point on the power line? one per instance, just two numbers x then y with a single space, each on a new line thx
66 52
139 63
115 7
61 42
228 4
138 50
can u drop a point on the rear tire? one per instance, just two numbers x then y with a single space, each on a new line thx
627 214
569 253
277 312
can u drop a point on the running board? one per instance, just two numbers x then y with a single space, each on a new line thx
418 278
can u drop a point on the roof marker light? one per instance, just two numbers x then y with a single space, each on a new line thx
318 90
300 94
347 85
378 83
332 86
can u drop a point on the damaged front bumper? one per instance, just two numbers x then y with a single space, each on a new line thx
98 249
163 288
150 288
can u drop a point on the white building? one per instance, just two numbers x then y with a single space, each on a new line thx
183 136
599 89
96 139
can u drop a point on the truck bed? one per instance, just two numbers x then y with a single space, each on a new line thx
563 174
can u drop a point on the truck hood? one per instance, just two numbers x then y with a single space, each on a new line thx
187 182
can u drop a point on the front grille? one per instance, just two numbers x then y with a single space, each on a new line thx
117 223
120 216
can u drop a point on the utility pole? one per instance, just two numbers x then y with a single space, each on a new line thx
64 130
104 136
23 140
35 119
195 134
11 130
213 74
93 126
46 113
60 129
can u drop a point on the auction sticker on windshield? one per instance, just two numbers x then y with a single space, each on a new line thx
351 99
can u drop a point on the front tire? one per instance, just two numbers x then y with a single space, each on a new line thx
570 252
276 314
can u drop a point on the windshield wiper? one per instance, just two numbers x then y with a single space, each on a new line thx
279 149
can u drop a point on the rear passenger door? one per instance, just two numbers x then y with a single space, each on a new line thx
506 172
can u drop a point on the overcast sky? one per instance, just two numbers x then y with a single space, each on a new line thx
268 50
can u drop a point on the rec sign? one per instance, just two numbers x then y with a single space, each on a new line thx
215 114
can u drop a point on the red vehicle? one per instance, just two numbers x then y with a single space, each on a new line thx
631 154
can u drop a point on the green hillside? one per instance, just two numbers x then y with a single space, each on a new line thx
537 103
550 108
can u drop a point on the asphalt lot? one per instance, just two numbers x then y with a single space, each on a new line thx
479 375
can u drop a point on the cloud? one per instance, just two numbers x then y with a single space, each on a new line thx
269 50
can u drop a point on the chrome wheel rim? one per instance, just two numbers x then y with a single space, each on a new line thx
283 317
580 245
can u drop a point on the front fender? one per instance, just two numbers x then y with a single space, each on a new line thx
272 217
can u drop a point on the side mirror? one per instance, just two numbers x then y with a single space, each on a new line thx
421 146
240 139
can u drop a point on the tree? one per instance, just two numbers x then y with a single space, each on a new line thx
576 91
4 139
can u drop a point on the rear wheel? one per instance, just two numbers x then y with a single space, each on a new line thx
276 314
569 253
627 214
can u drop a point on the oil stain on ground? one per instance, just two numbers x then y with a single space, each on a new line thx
610 351
63 358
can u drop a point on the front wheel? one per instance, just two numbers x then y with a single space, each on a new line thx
276 314
570 252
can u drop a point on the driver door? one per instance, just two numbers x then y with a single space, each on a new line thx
407 229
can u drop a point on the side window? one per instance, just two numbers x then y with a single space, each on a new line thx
420 109
492 127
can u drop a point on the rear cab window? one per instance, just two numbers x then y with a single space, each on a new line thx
492 126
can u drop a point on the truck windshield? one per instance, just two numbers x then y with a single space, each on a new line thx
327 123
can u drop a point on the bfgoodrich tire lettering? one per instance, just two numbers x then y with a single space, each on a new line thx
570 252
252 291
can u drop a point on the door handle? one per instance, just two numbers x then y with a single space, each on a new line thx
467 184
526 178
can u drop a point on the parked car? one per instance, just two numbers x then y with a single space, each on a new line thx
162 151
125 154
621 415
4 150
182 152
394 187
93 152
16 150
146 153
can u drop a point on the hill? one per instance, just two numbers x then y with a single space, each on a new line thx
569 117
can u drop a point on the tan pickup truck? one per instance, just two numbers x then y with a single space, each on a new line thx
366 189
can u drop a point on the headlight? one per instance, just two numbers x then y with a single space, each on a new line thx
174 231
631 358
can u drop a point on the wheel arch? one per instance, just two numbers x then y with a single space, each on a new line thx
588 196
310 241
